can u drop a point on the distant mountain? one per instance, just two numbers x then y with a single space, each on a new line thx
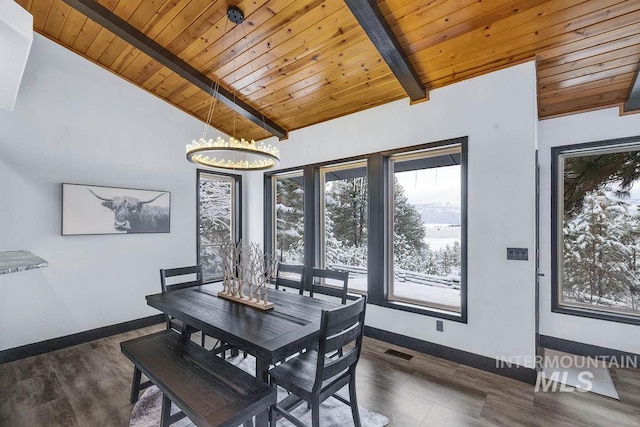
440 213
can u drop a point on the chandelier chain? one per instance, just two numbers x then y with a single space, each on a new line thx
232 153
215 85
253 75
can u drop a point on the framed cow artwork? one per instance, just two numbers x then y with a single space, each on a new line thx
92 209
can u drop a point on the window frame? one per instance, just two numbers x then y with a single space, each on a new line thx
380 170
321 247
236 209
557 222
408 156
377 164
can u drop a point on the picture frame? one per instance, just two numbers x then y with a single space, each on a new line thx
95 210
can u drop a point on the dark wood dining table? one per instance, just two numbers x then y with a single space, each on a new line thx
270 336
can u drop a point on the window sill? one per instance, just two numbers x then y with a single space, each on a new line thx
597 314
426 311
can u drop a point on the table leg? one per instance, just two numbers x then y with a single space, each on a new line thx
262 372
186 332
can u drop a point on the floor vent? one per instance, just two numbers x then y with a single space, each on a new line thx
399 354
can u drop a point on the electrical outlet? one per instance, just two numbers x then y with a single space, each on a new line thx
518 254
439 326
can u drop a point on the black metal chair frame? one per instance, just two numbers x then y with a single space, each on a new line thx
338 328
318 287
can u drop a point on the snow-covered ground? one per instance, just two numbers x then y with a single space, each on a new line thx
583 298
438 236
435 294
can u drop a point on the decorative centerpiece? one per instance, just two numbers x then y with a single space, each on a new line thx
246 273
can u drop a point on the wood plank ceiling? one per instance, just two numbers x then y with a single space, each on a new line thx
312 62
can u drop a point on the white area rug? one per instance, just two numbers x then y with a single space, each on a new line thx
581 372
333 413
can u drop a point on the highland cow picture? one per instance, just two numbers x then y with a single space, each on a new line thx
90 209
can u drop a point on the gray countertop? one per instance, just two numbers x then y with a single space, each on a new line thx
15 261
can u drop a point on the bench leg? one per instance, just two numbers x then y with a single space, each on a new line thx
248 423
166 412
135 385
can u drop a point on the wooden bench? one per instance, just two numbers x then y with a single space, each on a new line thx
208 390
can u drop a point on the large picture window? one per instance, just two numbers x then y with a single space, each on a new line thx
218 213
288 217
425 212
343 220
597 230
395 220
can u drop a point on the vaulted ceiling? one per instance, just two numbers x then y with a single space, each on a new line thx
312 61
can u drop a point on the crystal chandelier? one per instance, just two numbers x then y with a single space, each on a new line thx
232 153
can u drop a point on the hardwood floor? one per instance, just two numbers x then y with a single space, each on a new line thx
88 385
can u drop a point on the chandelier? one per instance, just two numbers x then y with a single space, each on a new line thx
232 153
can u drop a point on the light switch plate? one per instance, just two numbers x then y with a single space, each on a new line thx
518 254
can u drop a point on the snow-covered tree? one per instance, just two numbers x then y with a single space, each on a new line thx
215 222
347 206
596 266
289 220
409 249
587 174
346 222
631 239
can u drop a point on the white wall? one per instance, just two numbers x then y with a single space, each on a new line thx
75 122
498 114
578 128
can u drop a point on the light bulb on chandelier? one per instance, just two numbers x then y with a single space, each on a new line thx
232 153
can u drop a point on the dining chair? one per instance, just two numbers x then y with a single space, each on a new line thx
291 276
323 281
172 285
312 377
195 279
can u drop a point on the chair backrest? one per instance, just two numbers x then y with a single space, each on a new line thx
320 283
191 272
177 272
290 282
338 328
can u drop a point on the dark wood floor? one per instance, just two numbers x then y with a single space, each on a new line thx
88 385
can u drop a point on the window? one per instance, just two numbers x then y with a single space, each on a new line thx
288 217
596 230
218 213
343 221
425 214
404 210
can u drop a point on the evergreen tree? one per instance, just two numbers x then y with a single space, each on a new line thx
346 231
596 258
347 207
289 220
409 250
631 239
585 174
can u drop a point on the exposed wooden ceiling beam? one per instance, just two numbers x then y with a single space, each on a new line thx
633 102
372 21
103 16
